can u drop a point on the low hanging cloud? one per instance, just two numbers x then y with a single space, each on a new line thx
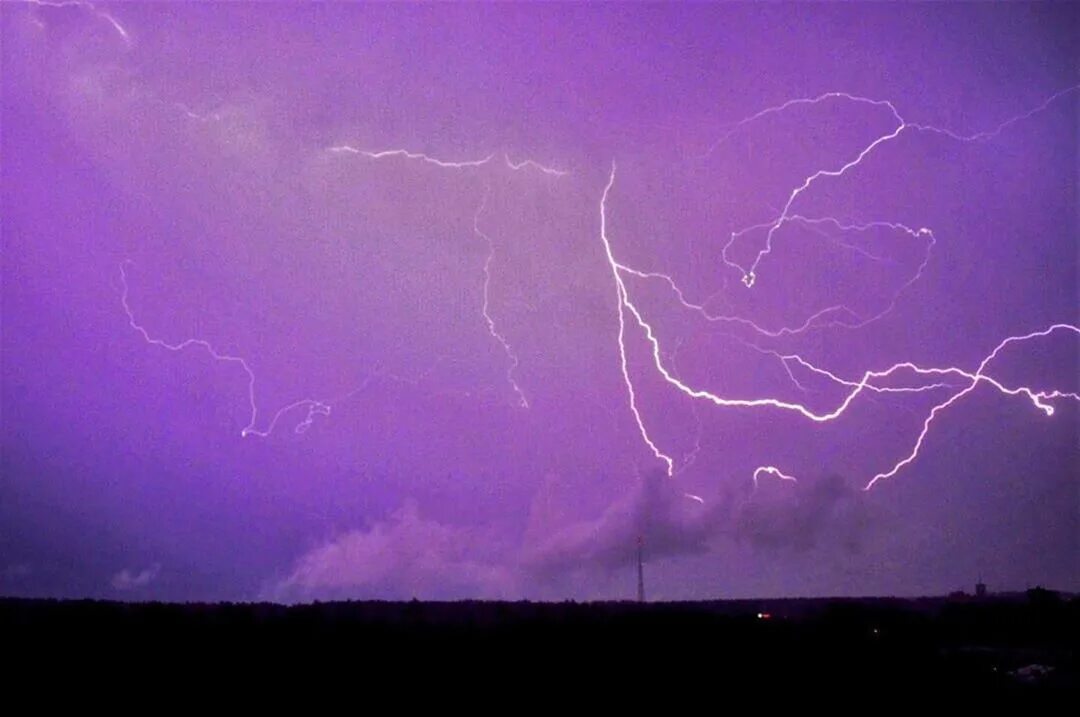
828 511
825 512
403 557
669 522
408 555
127 580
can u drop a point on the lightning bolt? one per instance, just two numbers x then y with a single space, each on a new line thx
773 471
871 379
623 302
749 273
320 407
523 402
406 154
313 407
485 311
530 164
921 379
1038 398
92 9
818 318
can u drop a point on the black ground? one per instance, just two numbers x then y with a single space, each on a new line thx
1017 643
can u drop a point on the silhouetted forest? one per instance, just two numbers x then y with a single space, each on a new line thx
1017 643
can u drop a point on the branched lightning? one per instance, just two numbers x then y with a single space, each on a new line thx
489 321
313 407
831 316
749 273
899 378
1038 398
871 380
623 303
319 407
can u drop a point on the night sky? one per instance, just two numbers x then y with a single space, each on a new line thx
343 301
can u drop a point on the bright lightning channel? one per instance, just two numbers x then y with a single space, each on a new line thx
1040 399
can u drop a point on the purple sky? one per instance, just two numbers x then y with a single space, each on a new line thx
320 301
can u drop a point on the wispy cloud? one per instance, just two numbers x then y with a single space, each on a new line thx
127 580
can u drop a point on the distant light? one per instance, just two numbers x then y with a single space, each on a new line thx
764 616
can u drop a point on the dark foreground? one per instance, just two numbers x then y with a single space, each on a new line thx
1019 643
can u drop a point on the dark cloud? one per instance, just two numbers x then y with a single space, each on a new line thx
827 510
668 521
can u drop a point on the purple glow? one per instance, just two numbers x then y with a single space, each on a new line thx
457 301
